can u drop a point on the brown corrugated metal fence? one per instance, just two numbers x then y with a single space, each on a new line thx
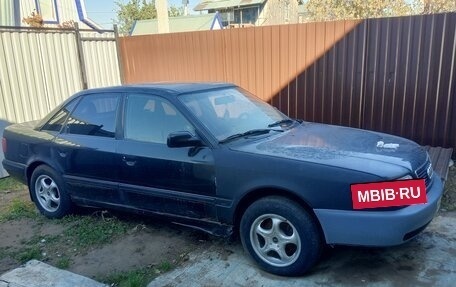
395 75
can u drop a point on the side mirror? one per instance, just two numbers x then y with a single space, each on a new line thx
183 139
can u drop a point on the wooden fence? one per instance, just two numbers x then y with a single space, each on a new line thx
395 75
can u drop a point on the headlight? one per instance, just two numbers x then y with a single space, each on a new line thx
408 176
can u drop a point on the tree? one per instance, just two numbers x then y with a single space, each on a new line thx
175 11
434 6
134 10
323 10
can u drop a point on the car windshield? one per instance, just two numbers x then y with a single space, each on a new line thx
233 111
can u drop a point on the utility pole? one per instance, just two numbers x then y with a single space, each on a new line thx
185 3
162 16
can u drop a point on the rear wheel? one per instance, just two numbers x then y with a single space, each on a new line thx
281 236
48 193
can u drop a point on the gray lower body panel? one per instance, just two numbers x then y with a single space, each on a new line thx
380 228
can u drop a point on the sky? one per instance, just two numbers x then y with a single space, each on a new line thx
104 11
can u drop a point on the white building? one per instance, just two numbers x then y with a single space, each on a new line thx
54 12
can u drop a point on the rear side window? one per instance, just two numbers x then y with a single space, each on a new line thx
95 115
56 123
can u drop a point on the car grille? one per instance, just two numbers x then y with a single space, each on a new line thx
425 172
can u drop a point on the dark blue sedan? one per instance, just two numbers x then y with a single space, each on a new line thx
216 158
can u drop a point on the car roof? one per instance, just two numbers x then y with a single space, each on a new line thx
164 89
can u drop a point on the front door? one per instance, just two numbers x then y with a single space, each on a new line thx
155 177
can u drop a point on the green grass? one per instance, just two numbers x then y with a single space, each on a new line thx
37 239
63 263
4 252
87 231
11 184
19 209
165 266
33 248
137 278
29 253
80 233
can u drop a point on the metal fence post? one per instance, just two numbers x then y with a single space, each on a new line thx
82 65
119 55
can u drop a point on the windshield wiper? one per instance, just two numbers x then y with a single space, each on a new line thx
281 122
254 132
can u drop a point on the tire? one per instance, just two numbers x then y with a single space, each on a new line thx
281 236
48 192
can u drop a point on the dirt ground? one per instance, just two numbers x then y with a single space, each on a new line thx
131 243
145 244
449 197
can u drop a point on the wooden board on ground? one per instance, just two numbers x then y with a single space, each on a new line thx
440 158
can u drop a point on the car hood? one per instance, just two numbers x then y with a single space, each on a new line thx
367 151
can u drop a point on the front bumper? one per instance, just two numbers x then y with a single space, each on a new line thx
380 228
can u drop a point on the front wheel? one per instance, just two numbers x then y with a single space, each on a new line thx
281 236
48 193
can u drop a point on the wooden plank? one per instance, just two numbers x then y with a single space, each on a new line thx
443 163
440 158
434 155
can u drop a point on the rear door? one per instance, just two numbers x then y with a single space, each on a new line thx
154 177
86 149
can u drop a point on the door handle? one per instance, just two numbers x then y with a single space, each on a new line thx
129 160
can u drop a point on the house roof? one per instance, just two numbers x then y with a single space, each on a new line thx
177 24
221 4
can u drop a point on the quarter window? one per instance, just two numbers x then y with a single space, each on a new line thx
95 115
152 119
56 123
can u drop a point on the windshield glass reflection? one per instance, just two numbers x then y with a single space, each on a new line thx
231 111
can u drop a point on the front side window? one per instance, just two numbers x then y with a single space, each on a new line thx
151 119
95 115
